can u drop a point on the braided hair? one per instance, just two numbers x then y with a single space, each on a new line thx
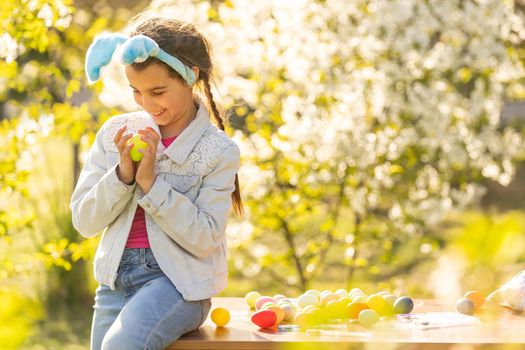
184 41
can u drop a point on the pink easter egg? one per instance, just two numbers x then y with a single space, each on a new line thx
264 318
263 300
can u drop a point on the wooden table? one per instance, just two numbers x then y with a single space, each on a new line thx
499 329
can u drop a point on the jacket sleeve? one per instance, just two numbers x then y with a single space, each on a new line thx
197 227
99 196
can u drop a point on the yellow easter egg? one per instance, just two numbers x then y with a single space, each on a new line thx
251 298
220 316
376 303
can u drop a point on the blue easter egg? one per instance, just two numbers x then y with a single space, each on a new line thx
403 305
465 306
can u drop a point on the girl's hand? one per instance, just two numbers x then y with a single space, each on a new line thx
145 175
126 169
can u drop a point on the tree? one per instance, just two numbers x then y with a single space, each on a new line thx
44 95
361 124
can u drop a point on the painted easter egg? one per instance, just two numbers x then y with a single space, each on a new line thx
341 292
476 297
353 309
376 303
289 312
329 297
251 298
279 314
220 316
307 299
465 306
138 144
403 305
264 318
368 317
262 300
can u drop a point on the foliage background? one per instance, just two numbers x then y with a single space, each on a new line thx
371 134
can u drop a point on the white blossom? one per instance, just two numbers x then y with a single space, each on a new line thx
407 94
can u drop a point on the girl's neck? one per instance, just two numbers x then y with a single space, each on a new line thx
175 129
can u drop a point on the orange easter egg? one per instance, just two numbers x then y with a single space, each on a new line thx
476 297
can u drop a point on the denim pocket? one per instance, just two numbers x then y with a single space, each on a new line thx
129 258
150 263
152 266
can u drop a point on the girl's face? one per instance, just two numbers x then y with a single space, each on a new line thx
166 99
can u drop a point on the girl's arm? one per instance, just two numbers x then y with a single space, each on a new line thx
197 227
99 196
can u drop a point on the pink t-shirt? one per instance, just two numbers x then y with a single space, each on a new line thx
138 235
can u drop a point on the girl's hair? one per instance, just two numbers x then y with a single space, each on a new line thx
184 41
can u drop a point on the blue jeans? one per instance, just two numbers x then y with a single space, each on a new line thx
145 311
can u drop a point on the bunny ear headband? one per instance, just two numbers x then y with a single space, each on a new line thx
135 49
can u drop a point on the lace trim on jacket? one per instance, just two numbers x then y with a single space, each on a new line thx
201 160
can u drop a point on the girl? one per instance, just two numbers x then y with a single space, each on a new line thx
162 255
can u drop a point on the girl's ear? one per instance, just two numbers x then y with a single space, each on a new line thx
196 71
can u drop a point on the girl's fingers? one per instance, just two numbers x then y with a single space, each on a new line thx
149 139
153 133
149 131
146 138
151 149
123 142
125 154
128 148
119 133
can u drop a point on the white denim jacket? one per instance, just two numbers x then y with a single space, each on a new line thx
186 208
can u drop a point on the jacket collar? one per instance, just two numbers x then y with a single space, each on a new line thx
179 149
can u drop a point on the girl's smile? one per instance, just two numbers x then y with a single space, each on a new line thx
168 100
158 115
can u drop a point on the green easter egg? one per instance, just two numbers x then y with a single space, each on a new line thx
137 145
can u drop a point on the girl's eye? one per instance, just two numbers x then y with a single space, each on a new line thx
158 93
136 92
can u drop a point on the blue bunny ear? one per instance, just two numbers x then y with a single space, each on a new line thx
100 52
137 49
